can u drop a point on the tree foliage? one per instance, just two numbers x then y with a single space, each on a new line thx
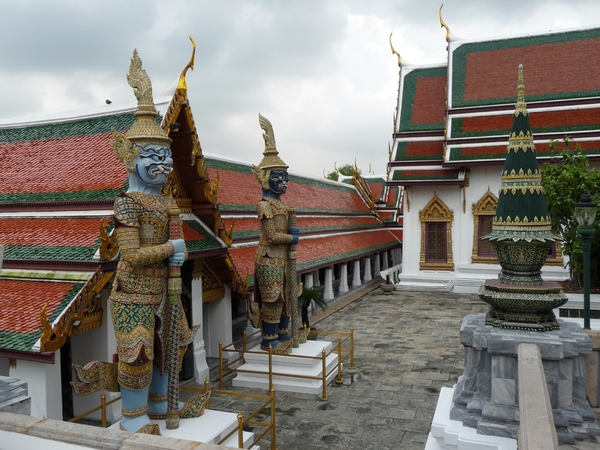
346 170
564 179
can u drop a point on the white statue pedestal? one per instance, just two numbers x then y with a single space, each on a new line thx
209 428
306 360
449 434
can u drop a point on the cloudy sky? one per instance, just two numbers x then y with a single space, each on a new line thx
320 70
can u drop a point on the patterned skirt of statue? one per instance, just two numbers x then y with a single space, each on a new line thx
269 276
138 322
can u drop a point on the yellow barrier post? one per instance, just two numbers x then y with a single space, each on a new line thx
352 367
220 365
339 364
207 389
270 367
324 366
240 419
103 403
273 432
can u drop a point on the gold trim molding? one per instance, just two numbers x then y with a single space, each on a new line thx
212 288
83 314
436 211
486 206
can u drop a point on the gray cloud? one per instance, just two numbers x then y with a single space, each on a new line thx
321 71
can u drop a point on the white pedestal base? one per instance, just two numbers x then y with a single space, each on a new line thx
209 428
452 434
258 361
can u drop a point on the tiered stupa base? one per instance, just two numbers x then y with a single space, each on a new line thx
522 307
486 396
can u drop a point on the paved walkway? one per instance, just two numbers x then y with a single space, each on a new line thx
406 348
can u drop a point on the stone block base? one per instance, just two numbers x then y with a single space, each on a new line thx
486 396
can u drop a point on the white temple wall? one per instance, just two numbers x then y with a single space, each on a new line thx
466 276
217 324
4 370
44 386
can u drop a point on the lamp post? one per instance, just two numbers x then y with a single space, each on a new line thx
585 213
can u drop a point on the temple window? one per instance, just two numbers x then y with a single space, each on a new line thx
483 214
436 236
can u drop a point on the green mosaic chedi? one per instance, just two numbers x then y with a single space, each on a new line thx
521 229
522 238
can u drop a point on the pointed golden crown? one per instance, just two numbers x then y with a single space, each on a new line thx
271 159
145 129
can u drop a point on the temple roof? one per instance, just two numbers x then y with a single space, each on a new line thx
61 149
335 219
59 181
459 114
562 93
20 325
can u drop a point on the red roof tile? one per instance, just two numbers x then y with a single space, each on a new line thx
486 74
430 101
237 188
58 232
59 164
419 150
315 252
190 234
21 303
243 258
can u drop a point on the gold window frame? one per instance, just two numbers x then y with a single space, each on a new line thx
436 211
486 206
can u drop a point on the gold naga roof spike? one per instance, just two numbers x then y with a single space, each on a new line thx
182 83
395 52
443 25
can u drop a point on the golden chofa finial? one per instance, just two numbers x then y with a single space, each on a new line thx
395 52
443 25
182 84
521 107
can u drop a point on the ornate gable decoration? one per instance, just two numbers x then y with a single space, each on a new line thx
436 211
486 206
83 314
212 288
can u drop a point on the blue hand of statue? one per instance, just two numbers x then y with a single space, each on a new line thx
295 234
177 258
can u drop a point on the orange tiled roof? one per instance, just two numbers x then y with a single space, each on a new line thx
239 191
326 250
59 165
41 231
21 303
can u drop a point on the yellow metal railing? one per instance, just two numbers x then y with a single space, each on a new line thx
268 401
102 407
344 350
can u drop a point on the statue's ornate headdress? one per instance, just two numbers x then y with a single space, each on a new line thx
271 159
145 130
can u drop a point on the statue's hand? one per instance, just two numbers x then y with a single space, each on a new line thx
295 232
177 258
179 245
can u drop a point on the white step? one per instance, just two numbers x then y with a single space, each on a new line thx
210 427
248 438
305 361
